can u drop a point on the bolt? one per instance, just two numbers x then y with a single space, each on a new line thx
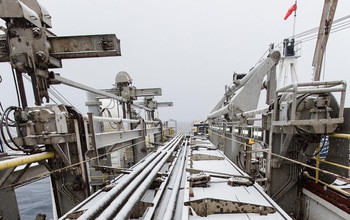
40 56
36 32
13 33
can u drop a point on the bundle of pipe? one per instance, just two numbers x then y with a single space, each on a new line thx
169 212
122 198
126 210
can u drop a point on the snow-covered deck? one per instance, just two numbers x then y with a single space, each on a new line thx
249 199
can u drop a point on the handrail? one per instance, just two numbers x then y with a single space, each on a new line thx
329 186
317 169
10 163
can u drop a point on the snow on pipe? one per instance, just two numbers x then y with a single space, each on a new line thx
252 113
125 212
117 120
168 215
157 200
152 122
106 200
97 193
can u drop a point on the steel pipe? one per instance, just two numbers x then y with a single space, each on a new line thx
117 120
222 111
161 192
252 113
318 83
315 91
92 212
10 163
126 210
96 194
152 122
169 213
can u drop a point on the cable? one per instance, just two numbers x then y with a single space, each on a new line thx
334 30
315 30
1 146
1 108
58 98
4 121
55 93
54 90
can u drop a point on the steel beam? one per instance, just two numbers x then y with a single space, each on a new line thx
165 104
148 92
323 35
116 120
110 138
14 9
71 47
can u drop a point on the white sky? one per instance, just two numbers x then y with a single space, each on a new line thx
189 48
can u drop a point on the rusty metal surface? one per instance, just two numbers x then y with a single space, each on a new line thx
4 53
237 181
70 47
199 179
209 206
329 195
16 9
218 199
197 157
40 10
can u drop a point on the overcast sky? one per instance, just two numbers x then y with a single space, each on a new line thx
189 48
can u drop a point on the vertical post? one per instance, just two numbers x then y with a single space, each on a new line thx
318 162
269 151
93 104
248 158
8 204
93 138
295 19
139 144
22 91
224 143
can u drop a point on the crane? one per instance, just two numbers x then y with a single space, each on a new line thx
324 30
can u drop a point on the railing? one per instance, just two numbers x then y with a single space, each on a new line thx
316 167
319 160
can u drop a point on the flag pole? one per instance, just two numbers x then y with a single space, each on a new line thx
295 19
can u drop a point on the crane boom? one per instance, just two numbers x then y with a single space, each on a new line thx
323 34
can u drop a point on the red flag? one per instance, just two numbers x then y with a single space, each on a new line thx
290 11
